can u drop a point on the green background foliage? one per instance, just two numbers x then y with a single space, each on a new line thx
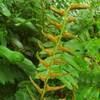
26 30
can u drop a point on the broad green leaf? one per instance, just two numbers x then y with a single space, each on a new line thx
17 58
4 10
9 72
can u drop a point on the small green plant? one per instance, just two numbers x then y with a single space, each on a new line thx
65 63
49 50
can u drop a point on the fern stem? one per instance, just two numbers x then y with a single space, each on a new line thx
44 90
55 49
62 31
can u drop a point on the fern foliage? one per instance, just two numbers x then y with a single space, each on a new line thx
49 50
